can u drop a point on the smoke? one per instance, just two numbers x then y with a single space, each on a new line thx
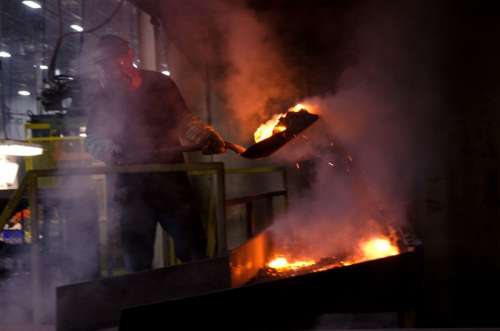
374 139
366 69
258 77
242 53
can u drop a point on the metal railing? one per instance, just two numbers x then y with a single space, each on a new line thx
248 201
29 186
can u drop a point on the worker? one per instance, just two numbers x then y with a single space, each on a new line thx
136 116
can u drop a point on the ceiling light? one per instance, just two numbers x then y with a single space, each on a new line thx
24 93
19 148
32 4
5 54
43 67
76 27
166 72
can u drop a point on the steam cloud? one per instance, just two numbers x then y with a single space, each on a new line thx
228 36
375 107
377 115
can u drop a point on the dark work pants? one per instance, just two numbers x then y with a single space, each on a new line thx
146 199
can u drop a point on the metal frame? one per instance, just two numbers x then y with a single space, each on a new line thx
389 284
30 182
268 196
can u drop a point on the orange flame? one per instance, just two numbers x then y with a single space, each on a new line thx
281 263
371 249
377 248
266 130
271 127
374 248
298 107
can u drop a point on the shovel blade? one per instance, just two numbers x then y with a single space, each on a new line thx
270 145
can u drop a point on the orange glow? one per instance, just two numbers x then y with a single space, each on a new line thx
281 263
298 107
266 130
271 127
377 248
374 248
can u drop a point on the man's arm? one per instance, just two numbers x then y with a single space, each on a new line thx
191 127
102 149
97 144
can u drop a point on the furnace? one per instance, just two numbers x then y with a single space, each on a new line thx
260 300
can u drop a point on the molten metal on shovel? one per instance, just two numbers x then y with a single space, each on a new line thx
291 124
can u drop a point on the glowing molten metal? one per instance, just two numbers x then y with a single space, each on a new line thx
281 263
272 126
378 248
371 249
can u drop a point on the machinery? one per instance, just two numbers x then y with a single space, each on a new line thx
229 293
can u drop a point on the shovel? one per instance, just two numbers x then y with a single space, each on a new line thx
295 123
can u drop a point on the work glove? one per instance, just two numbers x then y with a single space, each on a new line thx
205 136
213 143
104 149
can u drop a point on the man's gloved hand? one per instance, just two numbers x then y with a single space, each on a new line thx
213 143
202 134
104 150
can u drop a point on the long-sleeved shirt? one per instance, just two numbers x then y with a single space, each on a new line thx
137 123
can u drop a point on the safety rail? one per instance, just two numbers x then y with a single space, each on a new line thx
29 187
30 184
248 201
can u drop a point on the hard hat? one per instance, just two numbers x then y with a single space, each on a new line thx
110 46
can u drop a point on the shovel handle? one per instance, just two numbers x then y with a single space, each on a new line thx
238 149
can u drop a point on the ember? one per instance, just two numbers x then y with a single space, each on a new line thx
281 263
371 249
377 248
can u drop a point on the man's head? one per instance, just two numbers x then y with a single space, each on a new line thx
113 58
